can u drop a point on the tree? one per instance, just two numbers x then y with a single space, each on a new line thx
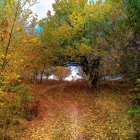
130 61
16 45
88 34
61 72
14 21
44 63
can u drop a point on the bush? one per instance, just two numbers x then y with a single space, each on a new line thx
13 108
134 111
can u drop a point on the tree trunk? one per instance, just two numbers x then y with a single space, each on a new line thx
4 63
93 79
41 78
42 72
91 70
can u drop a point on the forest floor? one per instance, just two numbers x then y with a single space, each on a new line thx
72 111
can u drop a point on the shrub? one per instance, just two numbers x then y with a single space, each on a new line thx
13 107
134 111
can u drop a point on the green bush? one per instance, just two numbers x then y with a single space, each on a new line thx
134 111
137 87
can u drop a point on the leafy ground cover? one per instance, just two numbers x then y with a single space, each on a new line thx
72 111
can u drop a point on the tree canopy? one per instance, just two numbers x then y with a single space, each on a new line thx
92 35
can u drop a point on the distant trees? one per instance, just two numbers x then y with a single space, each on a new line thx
61 72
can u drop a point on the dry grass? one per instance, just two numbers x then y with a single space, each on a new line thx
72 111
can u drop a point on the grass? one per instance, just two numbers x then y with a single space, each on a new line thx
72 111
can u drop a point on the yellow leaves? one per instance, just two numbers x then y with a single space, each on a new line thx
106 8
63 32
15 52
4 23
25 41
10 76
77 20
124 133
1 92
34 40
2 56
29 40
84 49
70 52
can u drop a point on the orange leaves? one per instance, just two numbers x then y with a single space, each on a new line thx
61 72
4 23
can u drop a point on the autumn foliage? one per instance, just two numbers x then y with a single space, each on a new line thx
61 72
101 38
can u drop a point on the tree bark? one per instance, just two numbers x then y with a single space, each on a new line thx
91 70
41 76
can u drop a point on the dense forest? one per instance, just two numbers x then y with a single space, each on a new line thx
102 39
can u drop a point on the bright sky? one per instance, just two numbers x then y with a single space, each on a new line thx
42 7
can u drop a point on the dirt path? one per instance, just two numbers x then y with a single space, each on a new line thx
71 115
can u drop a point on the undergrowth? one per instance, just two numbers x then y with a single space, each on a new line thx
14 109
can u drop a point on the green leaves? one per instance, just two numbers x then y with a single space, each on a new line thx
137 87
135 111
